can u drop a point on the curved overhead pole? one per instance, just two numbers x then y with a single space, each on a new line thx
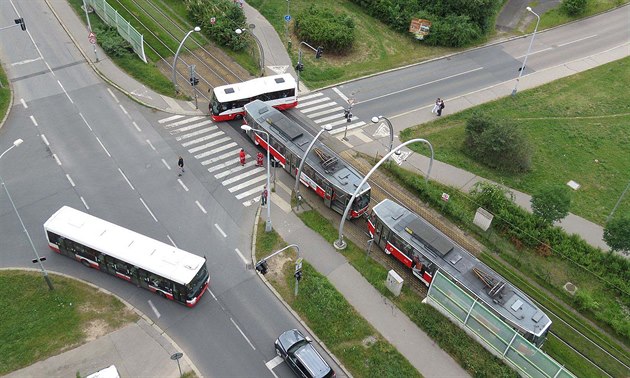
196 29
528 50
296 188
268 223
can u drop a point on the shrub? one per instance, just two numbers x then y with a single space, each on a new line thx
322 27
111 42
617 233
453 31
574 8
584 301
551 203
228 17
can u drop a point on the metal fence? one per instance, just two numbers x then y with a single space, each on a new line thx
111 17
493 333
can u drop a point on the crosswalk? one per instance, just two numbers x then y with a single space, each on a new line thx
323 110
219 155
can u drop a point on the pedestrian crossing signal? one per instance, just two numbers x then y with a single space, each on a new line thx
262 267
20 21
319 52
299 67
194 81
298 275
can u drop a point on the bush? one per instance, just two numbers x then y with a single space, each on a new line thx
453 31
584 301
617 233
322 27
111 42
228 17
574 8
551 203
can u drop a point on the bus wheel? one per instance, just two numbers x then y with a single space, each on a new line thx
85 263
238 116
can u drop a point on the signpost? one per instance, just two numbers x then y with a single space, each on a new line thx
92 38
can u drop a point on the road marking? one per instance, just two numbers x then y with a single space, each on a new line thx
242 176
218 149
24 103
359 134
157 313
345 121
64 91
220 157
577 40
233 170
343 96
125 177
191 127
172 242
26 61
85 204
166 164
33 120
275 362
311 96
248 193
326 105
113 95
213 296
101 143
220 230
45 140
246 184
241 255
69 179
312 102
195 133
239 329
208 145
533 53
169 119
85 121
182 122
330 118
123 109
136 126
341 129
227 163
149 210
201 207
330 110
203 138
57 159
182 184
151 145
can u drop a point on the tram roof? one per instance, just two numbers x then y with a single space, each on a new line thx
297 139
512 304
126 245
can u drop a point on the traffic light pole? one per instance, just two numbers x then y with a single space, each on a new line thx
318 54
261 265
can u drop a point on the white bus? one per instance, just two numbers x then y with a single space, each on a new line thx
279 91
159 267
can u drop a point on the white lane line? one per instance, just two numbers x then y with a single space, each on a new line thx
70 179
420 85
343 96
577 40
182 184
241 255
218 149
24 103
201 207
85 204
328 104
157 313
345 122
239 329
125 177
101 143
45 140
150 144
193 126
33 120
312 102
123 109
57 159
352 126
136 126
335 109
232 170
166 164
203 139
221 157
196 133
26 61
182 122
169 119
248 193
311 96
213 296
246 184
85 121
113 95
242 176
534 52
330 118
209 144
64 91
149 210
275 362
220 230
172 242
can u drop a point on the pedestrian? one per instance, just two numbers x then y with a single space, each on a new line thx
436 106
263 196
259 159
242 156
440 108
180 163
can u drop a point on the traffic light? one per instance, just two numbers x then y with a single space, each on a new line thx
20 21
298 275
319 52
299 67
347 115
262 267
194 81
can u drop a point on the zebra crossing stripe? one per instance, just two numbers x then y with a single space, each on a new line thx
302 98
207 145
183 122
336 116
233 170
219 158
225 164
203 138
318 107
343 121
335 109
353 126
316 101
218 149
243 175
248 193
246 184
195 133
191 127
169 119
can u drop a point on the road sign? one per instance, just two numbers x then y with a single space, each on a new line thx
287 18
213 20
298 264
92 38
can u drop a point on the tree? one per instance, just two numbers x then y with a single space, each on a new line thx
551 203
574 8
617 233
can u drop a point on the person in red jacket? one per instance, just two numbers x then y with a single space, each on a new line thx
259 159
242 156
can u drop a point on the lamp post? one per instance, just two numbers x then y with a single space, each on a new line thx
260 49
340 243
44 272
391 130
261 265
196 29
528 50
268 223
296 188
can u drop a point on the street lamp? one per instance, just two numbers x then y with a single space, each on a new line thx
268 223
261 265
340 243
39 260
296 188
260 49
391 129
196 29
528 50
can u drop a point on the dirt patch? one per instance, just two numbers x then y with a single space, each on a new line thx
95 329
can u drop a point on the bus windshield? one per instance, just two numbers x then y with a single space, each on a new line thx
197 283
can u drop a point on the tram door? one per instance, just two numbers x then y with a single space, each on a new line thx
328 195
382 233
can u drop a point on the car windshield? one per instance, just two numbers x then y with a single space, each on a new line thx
297 346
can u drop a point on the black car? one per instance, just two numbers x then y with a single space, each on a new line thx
301 356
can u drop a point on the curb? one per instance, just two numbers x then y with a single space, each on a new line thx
11 99
285 304
127 304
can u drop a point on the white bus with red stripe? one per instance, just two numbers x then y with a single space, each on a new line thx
324 171
425 249
159 267
279 91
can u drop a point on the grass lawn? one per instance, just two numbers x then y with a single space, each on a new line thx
5 94
38 323
555 17
578 127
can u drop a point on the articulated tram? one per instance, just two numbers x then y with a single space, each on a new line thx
424 249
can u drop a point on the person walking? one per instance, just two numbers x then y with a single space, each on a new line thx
242 156
263 196
440 108
180 164
259 159
436 106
